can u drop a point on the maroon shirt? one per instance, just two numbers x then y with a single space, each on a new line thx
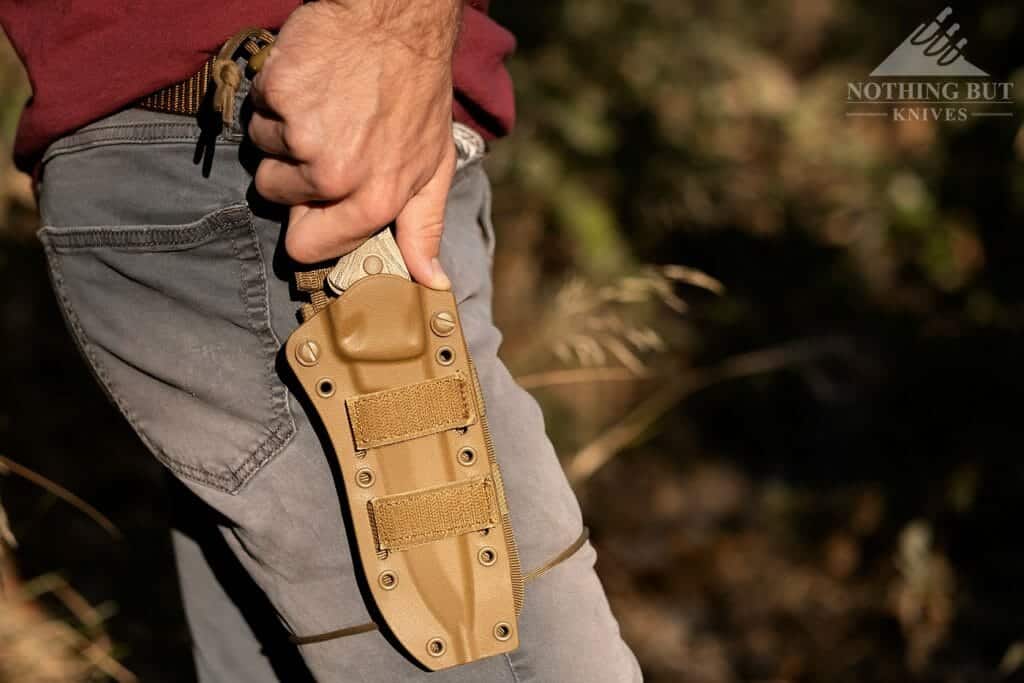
90 58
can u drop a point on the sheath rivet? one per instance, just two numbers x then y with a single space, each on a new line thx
372 265
365 477
445 355
388 580
443 323
502 630
436 647
325 387
487 556
308 353
467 456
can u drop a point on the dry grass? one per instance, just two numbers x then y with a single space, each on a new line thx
38 644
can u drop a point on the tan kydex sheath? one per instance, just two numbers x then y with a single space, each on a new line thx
386 367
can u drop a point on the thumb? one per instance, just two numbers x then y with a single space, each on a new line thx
419 227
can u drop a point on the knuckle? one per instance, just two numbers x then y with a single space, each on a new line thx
300 140
327 180
380 208
262 181
299 248
274 97
431 229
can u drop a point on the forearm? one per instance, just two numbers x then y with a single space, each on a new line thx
426 27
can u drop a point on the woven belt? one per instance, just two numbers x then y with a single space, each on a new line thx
185 97
188 96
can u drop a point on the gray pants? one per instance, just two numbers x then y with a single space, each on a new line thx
171 277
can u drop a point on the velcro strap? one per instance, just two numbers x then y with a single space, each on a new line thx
412 411
405 520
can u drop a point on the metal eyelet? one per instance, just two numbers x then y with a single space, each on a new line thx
365 477
388 580
436 647
325 387
467 456
502 630
445 355
487 556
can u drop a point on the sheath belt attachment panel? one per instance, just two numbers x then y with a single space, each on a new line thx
405 520
394 415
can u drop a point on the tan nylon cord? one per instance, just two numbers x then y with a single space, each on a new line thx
405 520
558 559
409 412
187 96
543 569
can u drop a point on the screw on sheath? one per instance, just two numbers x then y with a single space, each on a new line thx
443 323
308 353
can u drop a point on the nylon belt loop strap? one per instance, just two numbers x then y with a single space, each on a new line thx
404 520
311 282
415 410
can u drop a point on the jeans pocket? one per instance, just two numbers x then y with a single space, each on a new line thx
174 321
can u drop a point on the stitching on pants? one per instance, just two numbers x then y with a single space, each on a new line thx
278 434
512 668
190 234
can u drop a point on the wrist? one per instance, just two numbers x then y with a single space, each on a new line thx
428 28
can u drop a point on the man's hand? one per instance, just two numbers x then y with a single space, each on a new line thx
354 110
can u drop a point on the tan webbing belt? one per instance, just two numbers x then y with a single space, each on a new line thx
412 411
185 97
404 520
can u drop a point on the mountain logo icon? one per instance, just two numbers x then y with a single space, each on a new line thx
930 51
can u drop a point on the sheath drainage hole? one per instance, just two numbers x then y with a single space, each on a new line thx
325 388
445 355
388 580
502 630
487 556
467 456
436 647
365 477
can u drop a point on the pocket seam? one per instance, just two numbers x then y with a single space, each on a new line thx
186 235
279 433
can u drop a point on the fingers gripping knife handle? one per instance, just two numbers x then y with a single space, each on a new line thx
377 255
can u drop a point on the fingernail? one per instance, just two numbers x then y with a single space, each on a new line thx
438 278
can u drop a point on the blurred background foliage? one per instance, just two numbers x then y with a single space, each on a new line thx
776 345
